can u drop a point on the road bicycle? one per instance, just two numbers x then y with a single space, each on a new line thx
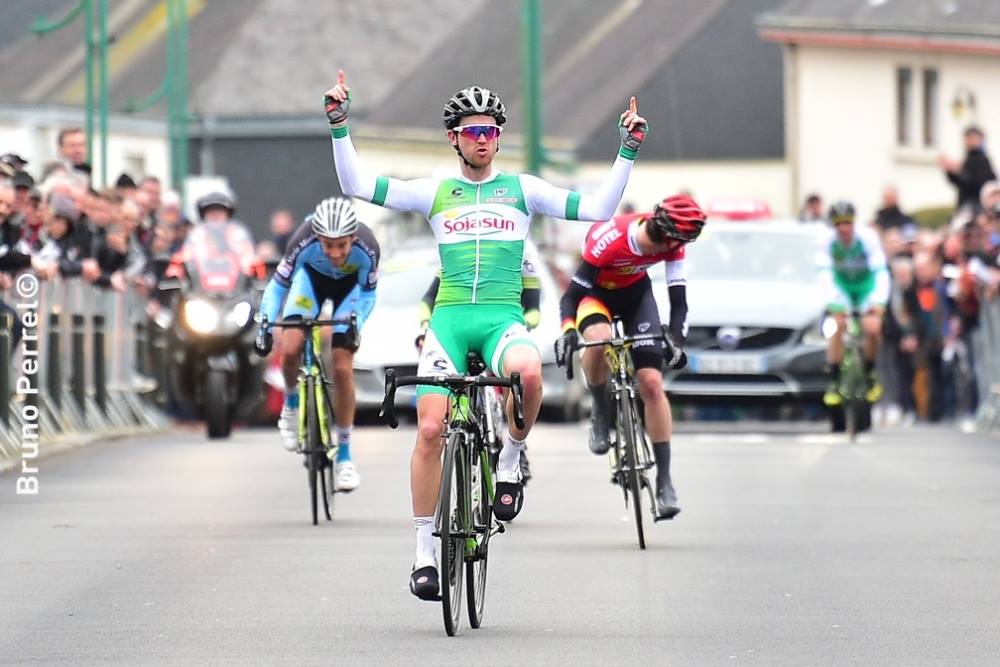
464 520
316 445
854 413
631 453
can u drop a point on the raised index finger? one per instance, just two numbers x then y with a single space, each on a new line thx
341 79
631 104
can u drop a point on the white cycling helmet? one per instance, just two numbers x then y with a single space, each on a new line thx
472 101
335 217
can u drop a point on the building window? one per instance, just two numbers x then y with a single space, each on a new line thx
135 165
930 106
904 106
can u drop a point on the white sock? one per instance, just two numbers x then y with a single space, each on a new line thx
510 455
425 541
343 435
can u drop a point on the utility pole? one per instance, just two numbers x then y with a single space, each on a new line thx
531 65
102 48
43 26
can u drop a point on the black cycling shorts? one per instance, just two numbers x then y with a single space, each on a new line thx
636 306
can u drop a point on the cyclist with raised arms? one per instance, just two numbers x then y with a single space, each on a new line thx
612 280
480 219
331 256
854 271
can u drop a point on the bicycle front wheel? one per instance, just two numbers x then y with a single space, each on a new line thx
313 448
482 521
627 430
450 525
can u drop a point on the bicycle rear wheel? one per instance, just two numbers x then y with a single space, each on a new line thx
313 449
482 520
449 523
626 430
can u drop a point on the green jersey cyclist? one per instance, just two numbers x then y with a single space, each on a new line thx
480 219
856 278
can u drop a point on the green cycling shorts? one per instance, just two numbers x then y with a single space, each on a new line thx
456 330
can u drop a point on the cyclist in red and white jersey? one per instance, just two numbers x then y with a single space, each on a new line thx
612 280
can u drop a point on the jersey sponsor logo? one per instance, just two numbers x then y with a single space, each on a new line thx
302 301
501 200
473 225
646 342
499 192
349 268
602 243
644 327
602 228
457 192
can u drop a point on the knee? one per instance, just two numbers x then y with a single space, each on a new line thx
429 431
651 387
531 378
343 369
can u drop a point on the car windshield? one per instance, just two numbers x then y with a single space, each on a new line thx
746 255
405 287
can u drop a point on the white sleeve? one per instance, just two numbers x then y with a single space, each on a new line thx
878 266
416 195
529 265
547 199
676 272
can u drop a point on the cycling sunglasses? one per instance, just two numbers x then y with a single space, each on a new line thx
842 221
473 132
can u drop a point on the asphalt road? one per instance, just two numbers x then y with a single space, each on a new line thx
793 548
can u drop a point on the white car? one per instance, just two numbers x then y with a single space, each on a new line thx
389 335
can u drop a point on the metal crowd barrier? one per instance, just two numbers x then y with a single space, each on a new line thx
76 371
986 343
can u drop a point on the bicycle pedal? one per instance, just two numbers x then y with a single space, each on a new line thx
500 527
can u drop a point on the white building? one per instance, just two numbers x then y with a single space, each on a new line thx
877 90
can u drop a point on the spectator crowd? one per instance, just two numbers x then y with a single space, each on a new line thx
942 280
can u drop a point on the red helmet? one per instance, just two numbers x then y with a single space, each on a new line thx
677 217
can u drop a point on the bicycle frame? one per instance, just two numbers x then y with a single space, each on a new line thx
312 367
852 375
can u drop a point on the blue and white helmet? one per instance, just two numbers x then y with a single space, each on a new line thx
335 217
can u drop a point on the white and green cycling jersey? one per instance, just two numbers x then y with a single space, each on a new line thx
854 275
480 227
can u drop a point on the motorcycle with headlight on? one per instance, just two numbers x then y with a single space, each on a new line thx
213 372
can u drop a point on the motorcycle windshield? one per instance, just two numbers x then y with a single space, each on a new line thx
218 256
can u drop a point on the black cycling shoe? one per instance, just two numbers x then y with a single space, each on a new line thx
424 583
508 500
666 502
600 439
525 468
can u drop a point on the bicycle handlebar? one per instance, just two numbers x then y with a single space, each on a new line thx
298 323
453 382
664 336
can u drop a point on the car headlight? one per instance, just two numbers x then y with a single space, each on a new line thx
819 332
239 315
200 316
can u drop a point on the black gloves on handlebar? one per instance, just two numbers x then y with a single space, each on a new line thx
678 361
262 344
565 346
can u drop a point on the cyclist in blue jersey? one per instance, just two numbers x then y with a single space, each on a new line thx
332 256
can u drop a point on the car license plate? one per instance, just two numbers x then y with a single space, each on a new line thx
726 363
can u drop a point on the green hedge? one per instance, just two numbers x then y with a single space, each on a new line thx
934 217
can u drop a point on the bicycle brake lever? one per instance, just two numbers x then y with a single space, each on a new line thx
388 410
517 392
